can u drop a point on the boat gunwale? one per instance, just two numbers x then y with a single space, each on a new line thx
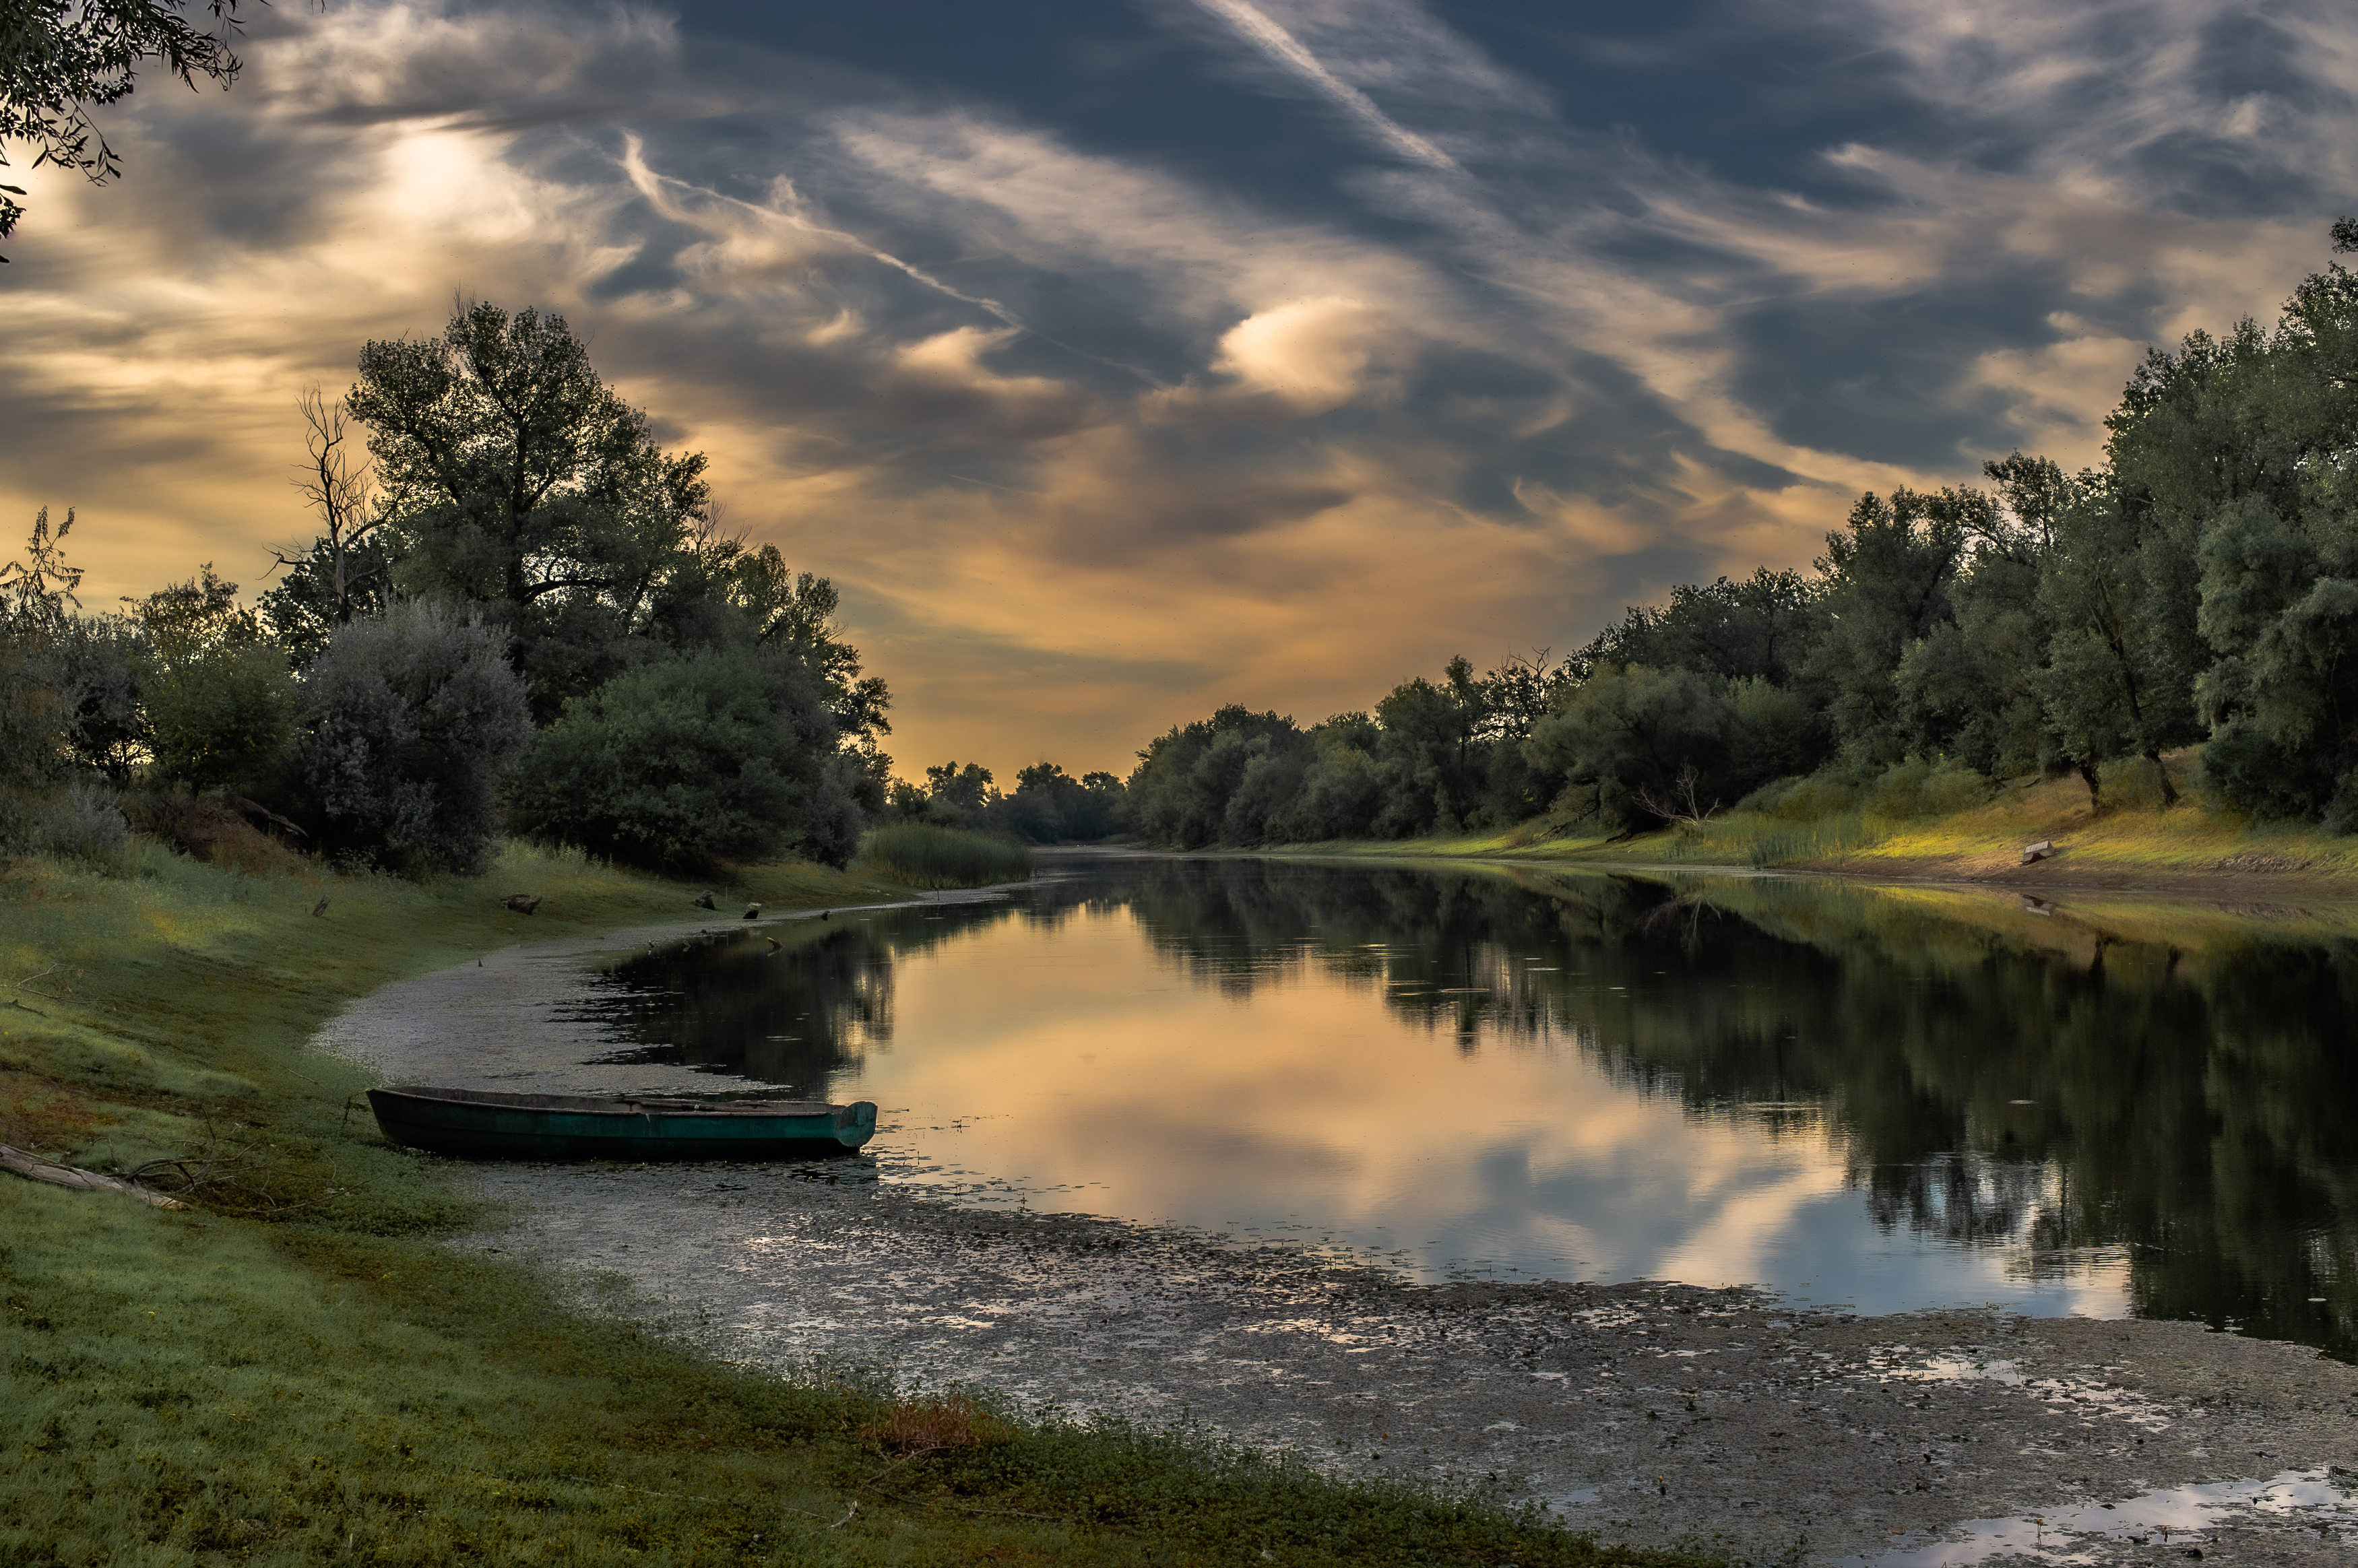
631 1108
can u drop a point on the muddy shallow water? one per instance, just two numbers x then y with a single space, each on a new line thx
1651 1413
1644 1412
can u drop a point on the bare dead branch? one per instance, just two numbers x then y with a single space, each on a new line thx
1682 805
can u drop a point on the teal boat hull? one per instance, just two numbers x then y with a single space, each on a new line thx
481 1124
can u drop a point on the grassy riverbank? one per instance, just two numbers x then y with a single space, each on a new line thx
2133 841
297 1370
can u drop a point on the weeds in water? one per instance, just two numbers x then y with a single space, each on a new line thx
927 856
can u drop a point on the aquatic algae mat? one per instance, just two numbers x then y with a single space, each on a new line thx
1651 1414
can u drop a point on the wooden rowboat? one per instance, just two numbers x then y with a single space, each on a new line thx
490 1126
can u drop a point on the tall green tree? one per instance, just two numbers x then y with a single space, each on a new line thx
1888 577
1763 627
1427 757
517 482
1180 791
1969 688
2278 570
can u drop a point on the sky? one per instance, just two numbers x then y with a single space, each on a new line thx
1122 359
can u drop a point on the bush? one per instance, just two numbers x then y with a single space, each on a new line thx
1911 787
685 763
927 856
82 822
415 720
207 831
223 720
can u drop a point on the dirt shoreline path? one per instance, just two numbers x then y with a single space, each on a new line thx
1643 1412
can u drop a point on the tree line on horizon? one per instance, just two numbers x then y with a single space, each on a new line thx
521 616
2200 588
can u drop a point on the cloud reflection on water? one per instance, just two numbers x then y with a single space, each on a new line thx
1174 1046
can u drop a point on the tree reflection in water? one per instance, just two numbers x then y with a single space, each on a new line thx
2178 1086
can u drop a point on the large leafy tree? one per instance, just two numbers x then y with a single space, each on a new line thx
688 762
2278 566
1886 587
60 57
517 482
1968 687
1761 627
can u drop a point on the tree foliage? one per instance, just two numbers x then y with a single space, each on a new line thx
60 57
415 722
689 761
517 482
522 582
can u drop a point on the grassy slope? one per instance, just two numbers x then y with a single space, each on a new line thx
298 1371
2132 843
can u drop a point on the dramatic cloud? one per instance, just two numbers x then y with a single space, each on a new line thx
1261 350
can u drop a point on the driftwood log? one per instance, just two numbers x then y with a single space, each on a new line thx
33 1168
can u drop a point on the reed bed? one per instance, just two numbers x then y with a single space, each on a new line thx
928 856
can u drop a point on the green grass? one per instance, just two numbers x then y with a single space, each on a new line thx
1934 829
297 1369
928 856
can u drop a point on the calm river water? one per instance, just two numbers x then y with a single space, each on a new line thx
1884 1099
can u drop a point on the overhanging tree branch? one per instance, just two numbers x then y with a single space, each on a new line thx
59 58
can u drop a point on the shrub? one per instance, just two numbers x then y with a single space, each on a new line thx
1911 787
684 762
1914 788
81 822
415 720
207 831
223 720
928 856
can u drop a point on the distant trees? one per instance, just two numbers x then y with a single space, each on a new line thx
1048 805
1051 806
2202 586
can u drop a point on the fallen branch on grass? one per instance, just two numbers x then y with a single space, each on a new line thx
39 1170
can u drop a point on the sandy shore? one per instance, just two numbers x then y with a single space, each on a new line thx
1642 1413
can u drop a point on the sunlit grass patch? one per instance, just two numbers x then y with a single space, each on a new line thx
926 857
1939 821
